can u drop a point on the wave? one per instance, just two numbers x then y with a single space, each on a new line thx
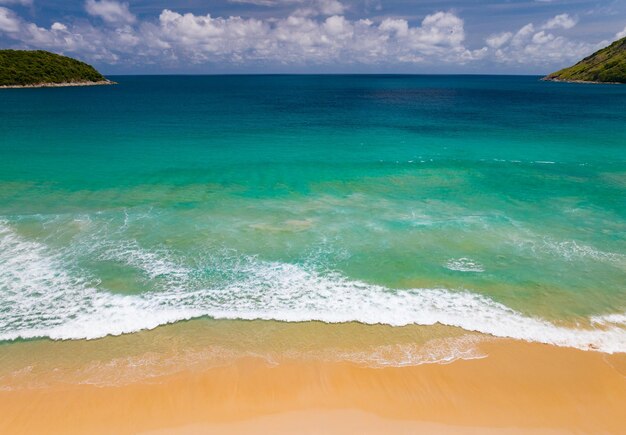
42 296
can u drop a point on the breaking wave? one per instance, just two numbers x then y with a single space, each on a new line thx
43 296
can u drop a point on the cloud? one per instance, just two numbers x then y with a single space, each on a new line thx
110 11
297 39
86 40
562 21
540 45
323 7
498 40
301 39
622 34
441 28
9 22
177 40
59 27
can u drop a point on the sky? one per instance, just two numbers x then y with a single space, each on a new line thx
315 36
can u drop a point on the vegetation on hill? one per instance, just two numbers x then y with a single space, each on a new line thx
605 66
22 68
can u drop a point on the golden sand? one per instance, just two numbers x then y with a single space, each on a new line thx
517 388
344 422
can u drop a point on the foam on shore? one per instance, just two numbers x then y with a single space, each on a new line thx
46 297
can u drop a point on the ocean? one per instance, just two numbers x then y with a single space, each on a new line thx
494 204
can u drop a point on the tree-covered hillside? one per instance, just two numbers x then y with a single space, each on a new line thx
607 66
21 67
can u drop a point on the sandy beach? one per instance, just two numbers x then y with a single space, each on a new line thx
513 387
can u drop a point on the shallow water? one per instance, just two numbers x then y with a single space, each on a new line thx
495 204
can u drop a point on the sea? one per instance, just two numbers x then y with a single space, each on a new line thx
490 204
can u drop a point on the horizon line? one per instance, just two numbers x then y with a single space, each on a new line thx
321 74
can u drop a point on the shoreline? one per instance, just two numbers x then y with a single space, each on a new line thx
516 386
547 79
59 85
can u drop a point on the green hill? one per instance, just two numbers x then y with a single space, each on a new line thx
32 68
604 66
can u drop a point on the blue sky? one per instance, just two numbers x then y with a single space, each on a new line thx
334 36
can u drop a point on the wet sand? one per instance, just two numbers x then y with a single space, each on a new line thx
517 388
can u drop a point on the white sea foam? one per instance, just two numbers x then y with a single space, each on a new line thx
571 250
42 296
610 319
436 351
464 264
153 263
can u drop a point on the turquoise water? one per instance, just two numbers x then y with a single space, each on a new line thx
495 204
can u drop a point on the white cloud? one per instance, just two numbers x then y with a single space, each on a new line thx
540 45
179 39
622 34
330 7
562 21
396 27
9 22
59 27
110 11
441 28
320 7
542 38
523 34
498 40
86 41
302 39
